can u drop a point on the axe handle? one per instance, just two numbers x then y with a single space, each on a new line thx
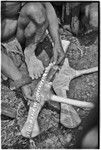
86 71
71 101
53 71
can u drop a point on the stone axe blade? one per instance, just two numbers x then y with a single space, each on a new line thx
66 74
60 85
8 111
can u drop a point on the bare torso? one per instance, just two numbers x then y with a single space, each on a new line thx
31 23
8 29
29 29
9 13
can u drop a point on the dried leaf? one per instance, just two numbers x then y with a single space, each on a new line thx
69 117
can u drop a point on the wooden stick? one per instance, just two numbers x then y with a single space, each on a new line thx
86 71
8 111
71 101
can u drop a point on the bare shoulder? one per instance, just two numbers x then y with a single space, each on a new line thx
31 7
47 4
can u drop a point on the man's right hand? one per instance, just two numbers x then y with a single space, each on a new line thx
58 53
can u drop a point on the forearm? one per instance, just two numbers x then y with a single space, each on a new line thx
53 23
8 67
20 36
29 52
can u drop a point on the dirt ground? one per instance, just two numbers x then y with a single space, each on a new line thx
53 133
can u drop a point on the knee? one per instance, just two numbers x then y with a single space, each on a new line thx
39 13
3 59
94 14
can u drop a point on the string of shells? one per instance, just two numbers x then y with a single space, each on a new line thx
36 106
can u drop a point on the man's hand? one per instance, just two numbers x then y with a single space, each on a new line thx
27 92
58 53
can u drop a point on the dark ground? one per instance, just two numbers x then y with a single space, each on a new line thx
53 134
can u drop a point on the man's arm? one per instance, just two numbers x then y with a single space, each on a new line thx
53 23
9 69
20 35
54 32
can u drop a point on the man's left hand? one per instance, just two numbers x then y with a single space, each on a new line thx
58 54
27 92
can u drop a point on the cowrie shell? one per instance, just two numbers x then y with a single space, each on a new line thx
31 121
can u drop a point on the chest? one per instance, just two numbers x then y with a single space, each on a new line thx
10 9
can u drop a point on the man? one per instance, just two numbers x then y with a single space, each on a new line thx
29 28
10 45
33 21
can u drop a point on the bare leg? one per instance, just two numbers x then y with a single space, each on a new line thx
35 66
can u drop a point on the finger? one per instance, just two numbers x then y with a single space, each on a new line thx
52 60
55 56
41 70
60 60
32 76
55 59
36 75
50 84
39 74
30 97
31 73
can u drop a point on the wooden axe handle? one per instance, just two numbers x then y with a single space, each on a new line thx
71 101
86 71
53 71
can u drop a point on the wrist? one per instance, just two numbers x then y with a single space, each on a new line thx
24 86
57 42
20 83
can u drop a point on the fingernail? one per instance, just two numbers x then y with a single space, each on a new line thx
32 77
54 62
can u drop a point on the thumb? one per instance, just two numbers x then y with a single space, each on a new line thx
30 97
52 60
55 56
60 61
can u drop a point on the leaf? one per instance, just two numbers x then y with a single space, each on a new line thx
69 117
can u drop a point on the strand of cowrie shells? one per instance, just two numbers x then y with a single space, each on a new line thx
35 108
